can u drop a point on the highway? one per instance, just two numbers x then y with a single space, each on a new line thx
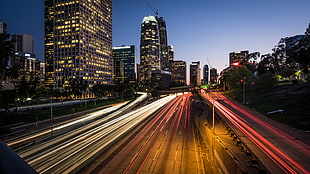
166 144
72 124
69 152
279 151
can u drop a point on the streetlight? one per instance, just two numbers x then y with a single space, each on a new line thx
243 91
52 116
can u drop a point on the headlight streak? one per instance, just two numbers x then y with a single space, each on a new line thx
92 138
90 116
178 102
266 146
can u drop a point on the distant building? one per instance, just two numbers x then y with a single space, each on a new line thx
213 76
24 61
238 57
2 27
170 53
124 64
195 77
23 43
78 42
178 72
205 74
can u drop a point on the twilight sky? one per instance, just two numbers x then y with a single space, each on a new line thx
200 30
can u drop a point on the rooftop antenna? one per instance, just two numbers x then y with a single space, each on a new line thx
155 12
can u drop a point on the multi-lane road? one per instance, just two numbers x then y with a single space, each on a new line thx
155 138
166 144
279 151
69 152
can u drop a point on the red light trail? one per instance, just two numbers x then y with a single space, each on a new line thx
285 162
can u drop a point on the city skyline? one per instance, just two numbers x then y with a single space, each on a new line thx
200 31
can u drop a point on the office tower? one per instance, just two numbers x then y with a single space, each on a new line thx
78 42
170 53
124 64
163 43
213 76
149 49
23 43
178 70
154 51
205 74
195 79
24 61
238 57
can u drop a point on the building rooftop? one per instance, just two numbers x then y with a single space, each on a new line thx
148 19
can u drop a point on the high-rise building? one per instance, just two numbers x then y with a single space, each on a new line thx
124 64
170 53
213 76
238 57
78 42
149 49
23 43
195 77
25 62
205 74
154 51
178 70
163 41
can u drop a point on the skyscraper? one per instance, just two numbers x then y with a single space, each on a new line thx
213 76
124 64
24 60
170 53
154 52
163 41
205 74
78 42
178 70
149 49
195 77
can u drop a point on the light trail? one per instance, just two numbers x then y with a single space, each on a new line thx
114 107
81 148
286 163
168 118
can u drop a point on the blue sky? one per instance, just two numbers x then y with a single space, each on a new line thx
199 30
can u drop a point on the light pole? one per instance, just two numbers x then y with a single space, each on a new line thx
213 130
52 116
243 90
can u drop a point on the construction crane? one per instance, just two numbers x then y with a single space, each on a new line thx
155 12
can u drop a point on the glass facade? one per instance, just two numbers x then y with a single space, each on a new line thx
195 79
149 49
178 70
124 64
78 42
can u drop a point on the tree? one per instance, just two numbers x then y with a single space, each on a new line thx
77 85
300 53
235 77
6 50
264 83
